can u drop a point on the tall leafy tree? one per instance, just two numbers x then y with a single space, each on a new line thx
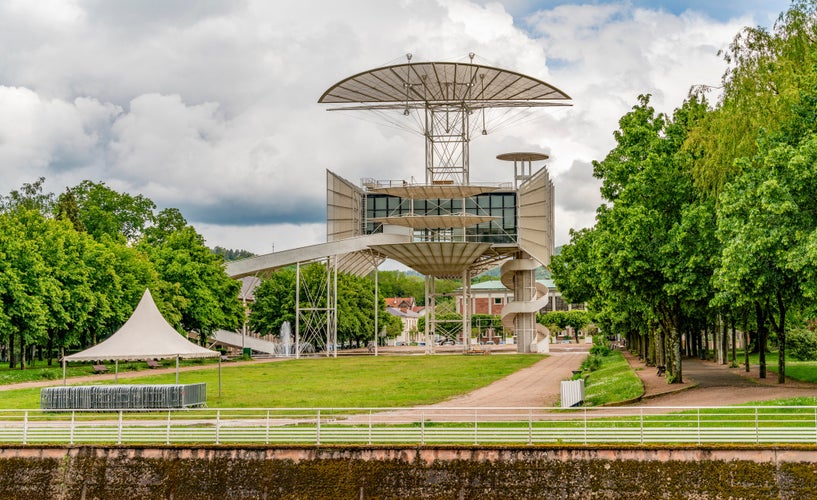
209 297
104 211
29 197
25 283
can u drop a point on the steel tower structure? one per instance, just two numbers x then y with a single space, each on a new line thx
446 226
449 231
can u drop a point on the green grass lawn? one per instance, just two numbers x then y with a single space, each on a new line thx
343 382
805 371
40 370
614 381
798 370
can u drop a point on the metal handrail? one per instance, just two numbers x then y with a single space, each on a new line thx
423 426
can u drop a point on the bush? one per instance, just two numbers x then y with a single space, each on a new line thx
600 346
591 363
801 344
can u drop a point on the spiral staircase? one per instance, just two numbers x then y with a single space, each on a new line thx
529 296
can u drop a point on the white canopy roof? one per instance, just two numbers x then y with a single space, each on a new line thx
146 335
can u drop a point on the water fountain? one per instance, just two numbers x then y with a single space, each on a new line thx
285 339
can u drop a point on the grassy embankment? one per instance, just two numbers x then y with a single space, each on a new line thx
396 381
609 380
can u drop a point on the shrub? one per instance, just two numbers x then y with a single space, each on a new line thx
600 346
591 363
802 344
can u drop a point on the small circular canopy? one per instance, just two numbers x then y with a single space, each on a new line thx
522 157
443 82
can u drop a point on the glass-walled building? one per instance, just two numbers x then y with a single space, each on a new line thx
499 206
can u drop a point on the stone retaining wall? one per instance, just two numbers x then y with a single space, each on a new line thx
410 472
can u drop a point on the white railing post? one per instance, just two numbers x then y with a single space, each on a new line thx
815 424
25 427
585 426
266 433
699 426
218 426
167 433
476 427
71 432
318 429
119 430
370 427
423 428
757 427
530 426
641 423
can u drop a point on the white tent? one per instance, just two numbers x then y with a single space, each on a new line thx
146 335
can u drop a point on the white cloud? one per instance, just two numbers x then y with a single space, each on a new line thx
48 136
212 107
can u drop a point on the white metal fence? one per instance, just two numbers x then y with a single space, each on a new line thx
424 426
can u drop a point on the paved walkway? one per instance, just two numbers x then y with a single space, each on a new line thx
707 383
537 385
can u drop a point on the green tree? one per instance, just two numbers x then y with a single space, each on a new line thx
24 282
104 211
231 254
624 266
70 299
209 298
274 302
67 209
29 197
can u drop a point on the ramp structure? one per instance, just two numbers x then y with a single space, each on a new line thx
445 226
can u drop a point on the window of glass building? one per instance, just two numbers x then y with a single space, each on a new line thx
502 206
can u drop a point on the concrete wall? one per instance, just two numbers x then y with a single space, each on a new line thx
411 472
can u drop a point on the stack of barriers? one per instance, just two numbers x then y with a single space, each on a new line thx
123 397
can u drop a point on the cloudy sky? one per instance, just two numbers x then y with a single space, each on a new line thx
211 106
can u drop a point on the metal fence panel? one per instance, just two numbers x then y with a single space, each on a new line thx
423 426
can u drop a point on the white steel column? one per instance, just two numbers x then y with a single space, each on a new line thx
335 311
428 311
466 309
431 315
376 307
297 310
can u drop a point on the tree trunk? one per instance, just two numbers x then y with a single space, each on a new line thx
762 335
746 339
675 352
734 362
12 361
724 341
705 350
49 350
22 352
780 329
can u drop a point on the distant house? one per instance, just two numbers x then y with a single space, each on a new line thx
489 297
409 312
